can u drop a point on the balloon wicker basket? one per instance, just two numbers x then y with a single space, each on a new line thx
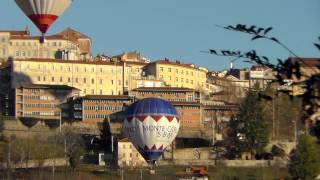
42 39
152 171
151 165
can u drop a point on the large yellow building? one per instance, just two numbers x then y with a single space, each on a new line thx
91 77
68 44
128 155
177 74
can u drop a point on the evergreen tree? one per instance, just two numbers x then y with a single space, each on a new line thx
305 161
249 130
105 137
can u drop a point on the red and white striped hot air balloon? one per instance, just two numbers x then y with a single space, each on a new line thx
43 12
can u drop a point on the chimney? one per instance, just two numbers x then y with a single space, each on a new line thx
231 65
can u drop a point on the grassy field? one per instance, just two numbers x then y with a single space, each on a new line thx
216 173
2 151
162 173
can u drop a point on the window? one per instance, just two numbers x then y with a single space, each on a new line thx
169 69
100 81
76 80
92 69
92 91
111 81
52 79
161 69
44 78
39 78
100 91
17 53
61 79
69 79
119 82
92 81
84 80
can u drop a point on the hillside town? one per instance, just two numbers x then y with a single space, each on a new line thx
60 84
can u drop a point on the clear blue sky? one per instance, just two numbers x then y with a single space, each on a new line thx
180 29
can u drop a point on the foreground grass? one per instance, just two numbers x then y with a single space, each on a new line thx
93 172
2 151
216 173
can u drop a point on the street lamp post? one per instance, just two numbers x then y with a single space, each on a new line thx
60 119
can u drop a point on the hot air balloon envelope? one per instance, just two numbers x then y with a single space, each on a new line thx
43 12
151 124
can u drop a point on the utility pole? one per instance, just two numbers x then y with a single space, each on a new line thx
121 173
295 132
60 118
213 133
9 154
273 119
141 174
65 149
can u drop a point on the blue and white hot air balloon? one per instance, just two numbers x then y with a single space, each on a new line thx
151 124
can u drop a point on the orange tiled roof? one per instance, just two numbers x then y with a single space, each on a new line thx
306 61
70 61
184 103
53 37
97 97
16 33
163 89
124 140
48 86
